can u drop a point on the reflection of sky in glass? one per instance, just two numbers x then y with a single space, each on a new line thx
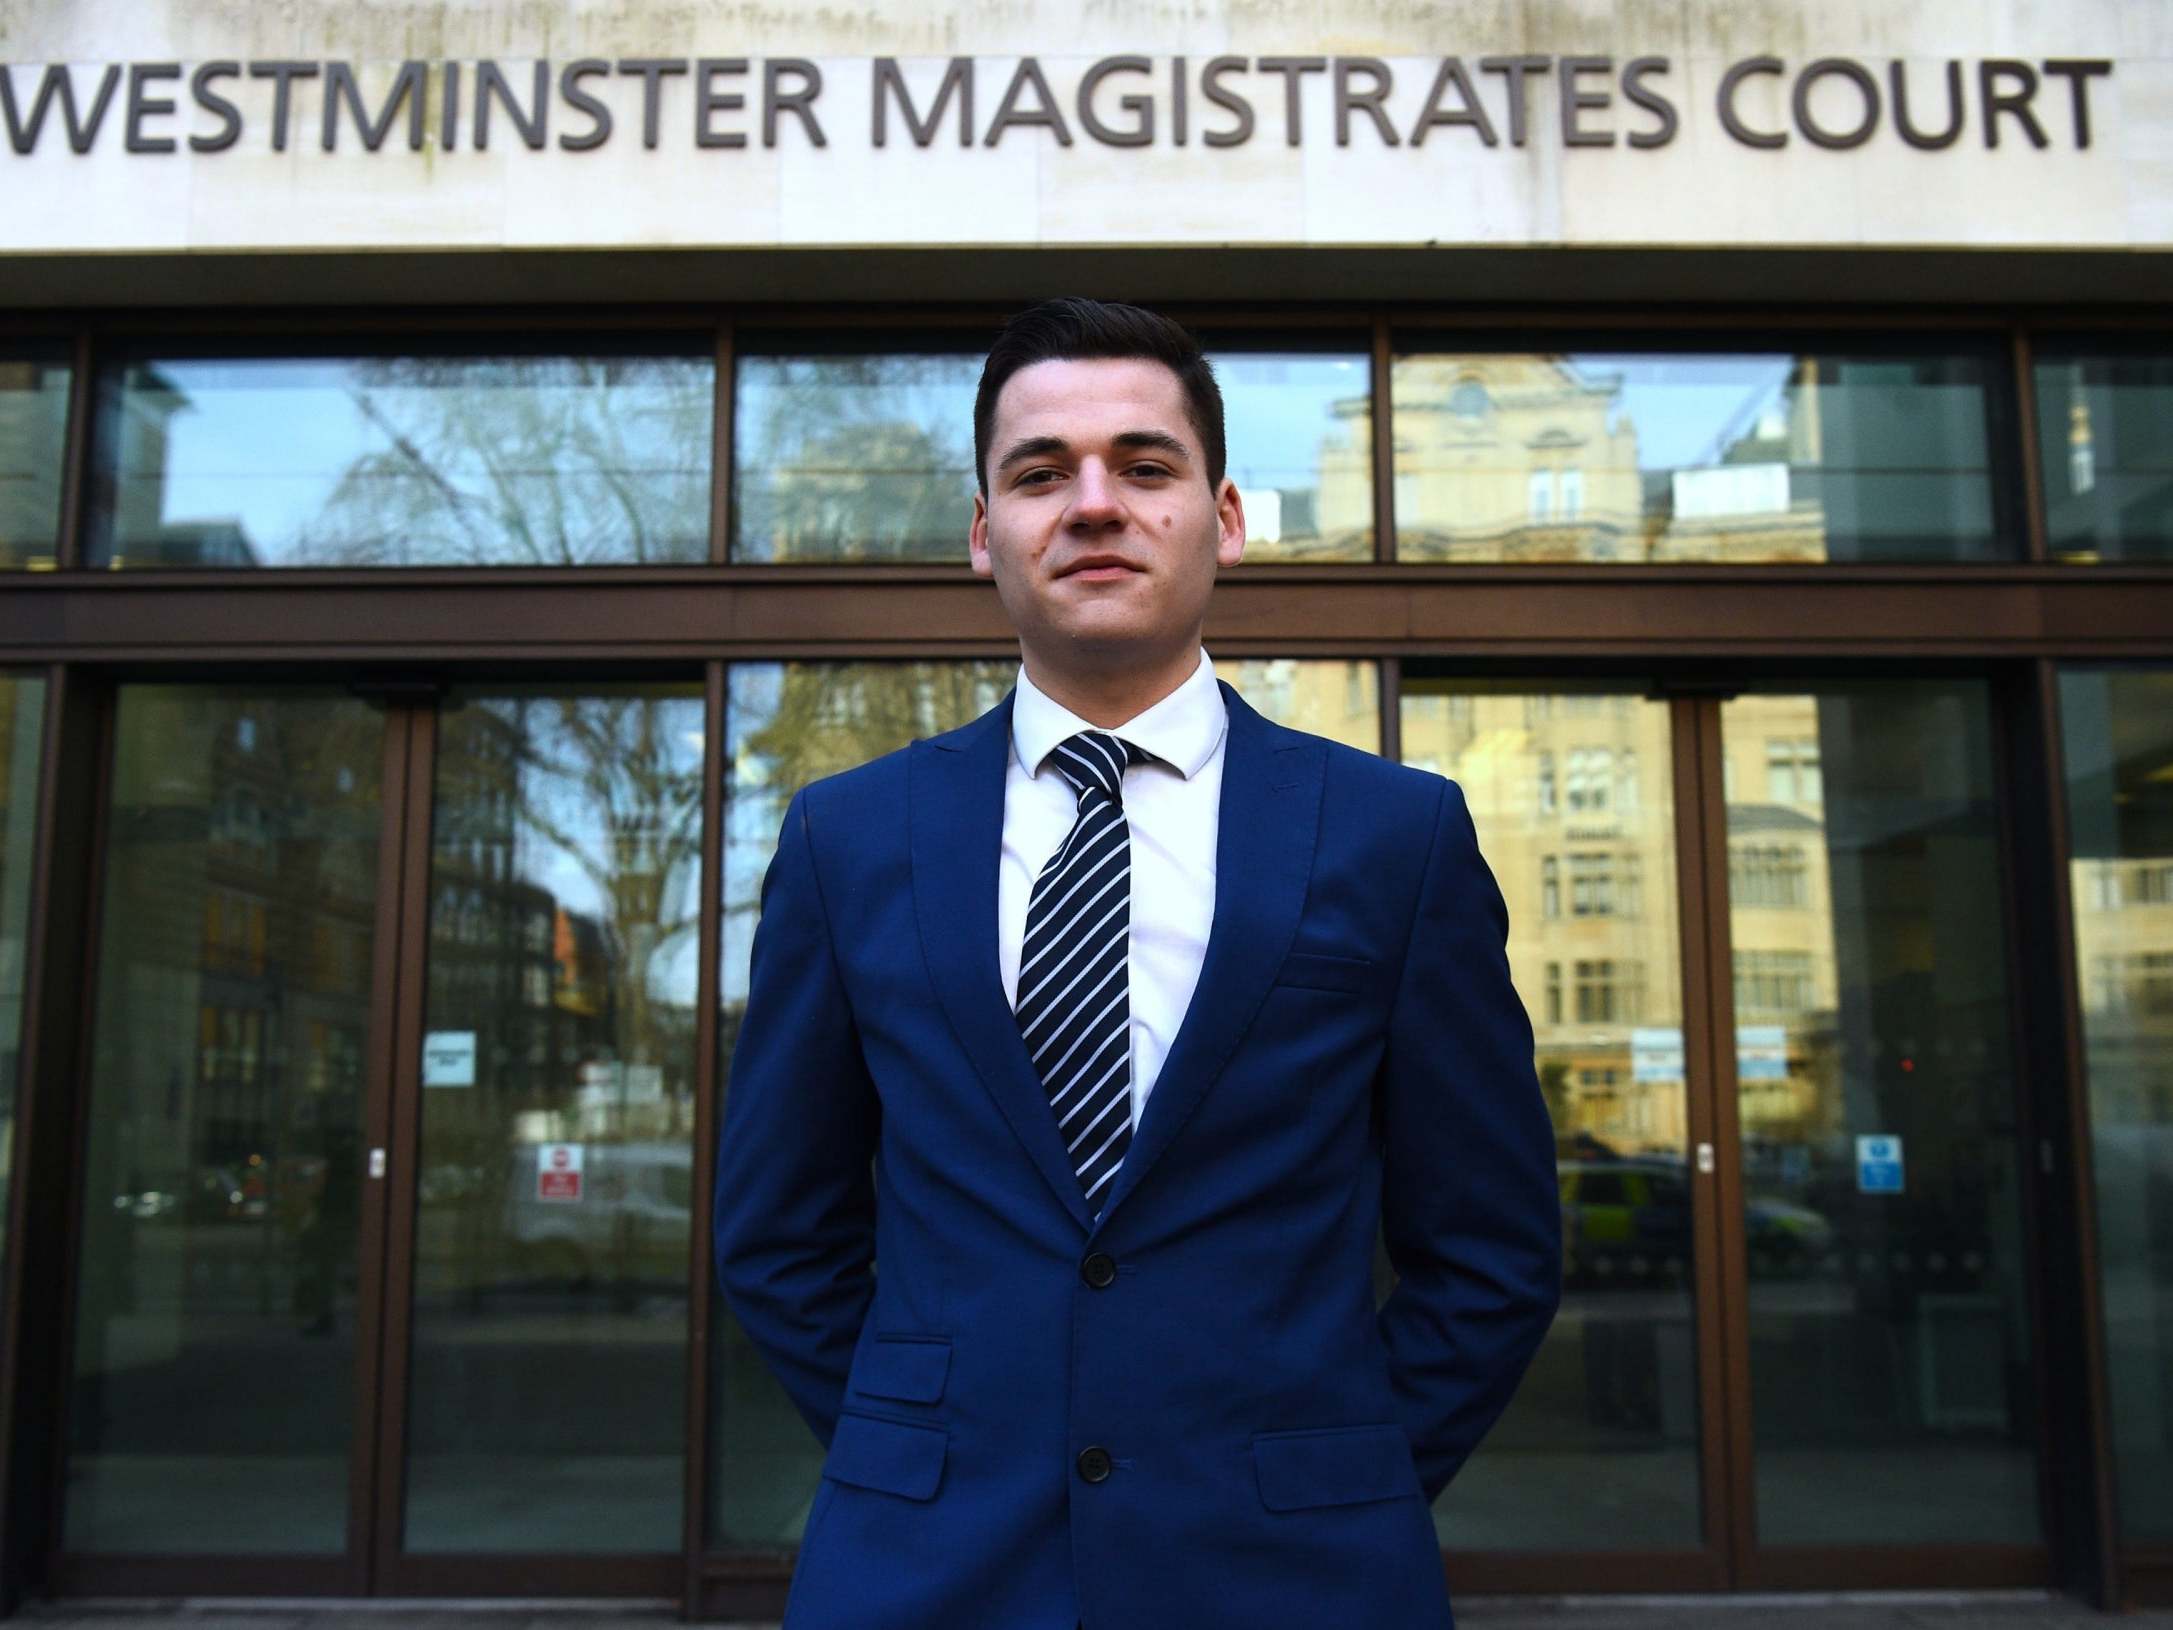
265 443
1687 409
751 815
1276 413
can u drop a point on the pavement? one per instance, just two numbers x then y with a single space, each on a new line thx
1913 1610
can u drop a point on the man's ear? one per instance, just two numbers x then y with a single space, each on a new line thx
1230 513
977 539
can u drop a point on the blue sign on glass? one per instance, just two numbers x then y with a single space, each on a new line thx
1878 1163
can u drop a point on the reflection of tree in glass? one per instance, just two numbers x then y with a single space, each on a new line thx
522 460
857 458
612 783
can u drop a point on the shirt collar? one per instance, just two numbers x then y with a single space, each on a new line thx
1182 730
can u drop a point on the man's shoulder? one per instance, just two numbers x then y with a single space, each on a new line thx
1369 783
881 782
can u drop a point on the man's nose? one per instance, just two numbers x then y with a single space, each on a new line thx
1094 495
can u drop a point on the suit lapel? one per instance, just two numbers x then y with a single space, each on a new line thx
956 794
1266 829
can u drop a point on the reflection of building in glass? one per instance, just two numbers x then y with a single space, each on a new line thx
1509 457
33 416
1781 917
1570 796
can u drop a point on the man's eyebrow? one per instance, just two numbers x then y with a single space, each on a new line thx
1033 447
1160 440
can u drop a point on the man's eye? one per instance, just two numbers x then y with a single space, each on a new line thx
1033 476
1150 469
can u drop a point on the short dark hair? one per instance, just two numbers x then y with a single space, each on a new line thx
1073 328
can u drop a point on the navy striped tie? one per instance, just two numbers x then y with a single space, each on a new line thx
1074 992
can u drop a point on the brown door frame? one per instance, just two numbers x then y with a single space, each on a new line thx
1752 1565
392 1570
95 708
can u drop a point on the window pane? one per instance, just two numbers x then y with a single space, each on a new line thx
1602 456
1599 1449
1339 700
788 724
22 731
552 1224
1890 1342
868 456
2117 730
853 457
213 1400
2102 426
33 434
1298 429
517 459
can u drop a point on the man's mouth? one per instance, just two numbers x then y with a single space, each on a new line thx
1099 567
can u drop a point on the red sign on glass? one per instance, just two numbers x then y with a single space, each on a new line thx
558 1171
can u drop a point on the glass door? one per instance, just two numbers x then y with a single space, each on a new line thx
223 1324
384 1269
542 1270
1762 936
1879 1230
1600 1465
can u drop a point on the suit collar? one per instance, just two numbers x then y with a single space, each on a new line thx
1266 826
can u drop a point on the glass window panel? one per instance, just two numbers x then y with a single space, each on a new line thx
2107 452
788 724
1694 457
213 1396
548 1403
1890 1342
33 439
853 456
1339 700
1599 1449
2117 731
1298 433
22 732
868 456
515 459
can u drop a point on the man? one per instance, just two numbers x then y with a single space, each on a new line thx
1111 1027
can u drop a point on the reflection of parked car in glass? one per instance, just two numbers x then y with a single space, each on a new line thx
1627 1222
632 1221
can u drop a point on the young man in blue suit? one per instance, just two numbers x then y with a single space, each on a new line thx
1111 1027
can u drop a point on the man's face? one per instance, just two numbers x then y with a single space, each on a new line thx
1099 527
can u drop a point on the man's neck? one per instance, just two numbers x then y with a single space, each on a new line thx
1109 698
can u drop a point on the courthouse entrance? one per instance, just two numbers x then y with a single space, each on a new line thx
389 1217
419 706
383 1280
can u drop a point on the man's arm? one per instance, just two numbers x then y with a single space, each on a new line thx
795 1209
1470 1211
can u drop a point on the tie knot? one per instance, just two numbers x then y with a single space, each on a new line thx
1095 760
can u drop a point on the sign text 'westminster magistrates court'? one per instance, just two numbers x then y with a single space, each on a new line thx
1117 101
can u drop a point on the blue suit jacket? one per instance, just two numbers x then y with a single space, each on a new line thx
1354 1055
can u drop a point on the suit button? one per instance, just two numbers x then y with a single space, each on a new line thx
1094 1464
1099 1270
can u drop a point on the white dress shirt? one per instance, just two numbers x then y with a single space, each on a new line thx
1172 805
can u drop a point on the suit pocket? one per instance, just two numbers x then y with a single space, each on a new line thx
1315 972
1333 1465
912 1369
896 1457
